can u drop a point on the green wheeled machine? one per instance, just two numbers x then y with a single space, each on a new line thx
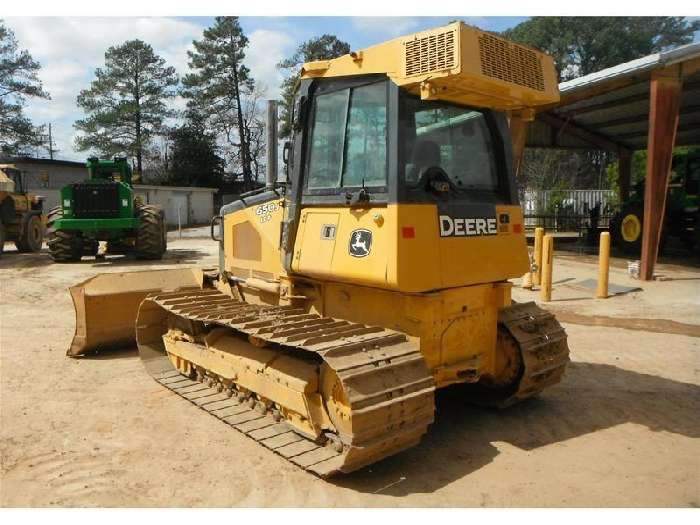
104 208
682 216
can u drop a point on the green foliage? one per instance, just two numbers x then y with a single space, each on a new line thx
584 44
638 169
126 103
195 157
18 80
324 47
218 85
550 169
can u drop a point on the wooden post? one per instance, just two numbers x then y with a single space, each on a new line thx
624 167
518 136
547 260
603 266
539 235
664 102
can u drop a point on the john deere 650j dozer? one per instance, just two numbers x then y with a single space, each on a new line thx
376 274
103 208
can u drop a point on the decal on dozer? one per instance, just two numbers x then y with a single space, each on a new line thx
360 243
467 227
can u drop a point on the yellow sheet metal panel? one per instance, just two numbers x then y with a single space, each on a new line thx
466 259
251 241
456 328
371 232
318 258
401 247
457 63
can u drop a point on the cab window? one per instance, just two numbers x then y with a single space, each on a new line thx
348 141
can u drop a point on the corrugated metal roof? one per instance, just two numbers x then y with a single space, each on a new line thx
640 65
613 105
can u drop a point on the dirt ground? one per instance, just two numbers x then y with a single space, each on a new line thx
622 429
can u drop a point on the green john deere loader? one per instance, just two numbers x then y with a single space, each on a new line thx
104 208
682 212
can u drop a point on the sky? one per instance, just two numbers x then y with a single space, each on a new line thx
70 49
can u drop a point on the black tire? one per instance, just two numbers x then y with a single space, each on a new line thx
90 247
64 246
31 234
119 247
150 236
626 229
3 236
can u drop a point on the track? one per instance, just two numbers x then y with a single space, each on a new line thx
389 389
543 348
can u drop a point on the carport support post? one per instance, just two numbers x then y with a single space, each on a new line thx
518 135
624 178
664 102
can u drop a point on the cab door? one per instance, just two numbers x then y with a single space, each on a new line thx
345 230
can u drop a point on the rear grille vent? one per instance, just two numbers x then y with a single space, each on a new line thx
510 62
430 53
95 200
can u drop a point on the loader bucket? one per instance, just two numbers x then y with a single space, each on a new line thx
106 305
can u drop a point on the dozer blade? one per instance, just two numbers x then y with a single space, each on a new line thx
106 305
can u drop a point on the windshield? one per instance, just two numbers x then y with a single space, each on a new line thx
457 140
348 141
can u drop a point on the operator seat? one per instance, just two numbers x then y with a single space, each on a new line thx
426 153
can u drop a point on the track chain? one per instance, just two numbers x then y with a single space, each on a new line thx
543 346
389 387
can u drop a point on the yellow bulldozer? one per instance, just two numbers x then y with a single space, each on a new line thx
376 273
21 214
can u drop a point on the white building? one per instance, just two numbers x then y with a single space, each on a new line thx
184 205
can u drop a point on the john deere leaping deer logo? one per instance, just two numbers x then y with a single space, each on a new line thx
360 243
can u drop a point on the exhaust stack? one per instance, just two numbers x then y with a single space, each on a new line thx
271 125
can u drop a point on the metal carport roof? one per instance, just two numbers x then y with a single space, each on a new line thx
609 109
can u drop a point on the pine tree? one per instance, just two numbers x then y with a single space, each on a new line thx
218 84
195 157
126 104
18 81
324 47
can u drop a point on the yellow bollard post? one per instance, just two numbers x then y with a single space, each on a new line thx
547 260
603 266
536 276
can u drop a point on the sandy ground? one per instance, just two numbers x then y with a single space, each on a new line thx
622 429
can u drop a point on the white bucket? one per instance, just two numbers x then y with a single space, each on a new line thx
633 269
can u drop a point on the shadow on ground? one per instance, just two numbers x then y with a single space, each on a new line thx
173 255
14 259
108 355
461 439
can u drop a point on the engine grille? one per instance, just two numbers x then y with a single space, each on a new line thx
431 53
510 62
95 200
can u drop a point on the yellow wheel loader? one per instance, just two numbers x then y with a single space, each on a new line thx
21 213
375 274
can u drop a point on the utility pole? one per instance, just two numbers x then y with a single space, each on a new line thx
50 143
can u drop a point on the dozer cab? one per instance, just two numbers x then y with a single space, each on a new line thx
21 213
104 208
375 274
